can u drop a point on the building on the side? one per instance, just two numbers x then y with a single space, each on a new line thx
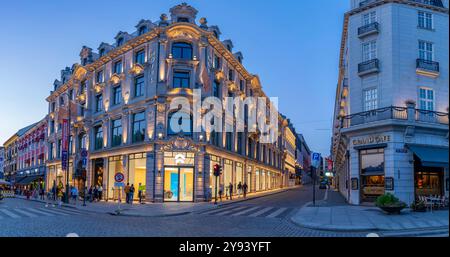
390 131
303 159
289 152
2 158
10 164
122 94
31 156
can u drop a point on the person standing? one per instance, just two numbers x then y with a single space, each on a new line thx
244 188
220 192
230 187
140 193
132 189
239 189
74 193
100 193
127 193
90 194
95 193
60 193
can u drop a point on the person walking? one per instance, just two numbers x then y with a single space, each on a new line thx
74 194
60 193
220 192
132 189
230 188
95 193
244 188
90 194
127 193
100 193
42 193
239 189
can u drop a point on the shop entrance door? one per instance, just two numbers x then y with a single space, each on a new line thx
178 184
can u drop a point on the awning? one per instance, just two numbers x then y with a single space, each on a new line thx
430 156
28 180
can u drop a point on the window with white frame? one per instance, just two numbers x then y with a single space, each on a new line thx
426 50
425 20
426 99
369 51
370 99
369 18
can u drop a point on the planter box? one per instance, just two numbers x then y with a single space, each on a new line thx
392 210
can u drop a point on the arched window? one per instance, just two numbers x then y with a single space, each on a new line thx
102 52
182 50
179 122
143 30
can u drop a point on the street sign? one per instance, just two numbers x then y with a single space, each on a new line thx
119 184
119 177
315 160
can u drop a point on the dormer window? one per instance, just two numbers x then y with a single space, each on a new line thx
102 52
183 19
182 50
239 59
229 48
143 30
216 34
84 62
120 41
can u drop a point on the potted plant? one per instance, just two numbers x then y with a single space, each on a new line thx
390 204
418 206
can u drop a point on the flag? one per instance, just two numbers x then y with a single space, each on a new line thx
205 78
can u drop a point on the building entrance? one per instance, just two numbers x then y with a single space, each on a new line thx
178 184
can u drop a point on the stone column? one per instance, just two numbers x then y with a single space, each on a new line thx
151 174
159 171
199 192
162 58
206 176
254 179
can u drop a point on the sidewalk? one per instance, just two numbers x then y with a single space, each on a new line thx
157 209
343 217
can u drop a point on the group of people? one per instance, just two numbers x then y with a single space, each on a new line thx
129 193
241 189
95 194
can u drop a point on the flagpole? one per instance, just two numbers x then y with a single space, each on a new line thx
68 151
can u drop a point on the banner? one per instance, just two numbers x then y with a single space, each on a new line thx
65 144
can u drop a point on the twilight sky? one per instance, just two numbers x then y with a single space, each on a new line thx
292 45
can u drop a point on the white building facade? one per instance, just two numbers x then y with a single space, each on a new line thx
391 114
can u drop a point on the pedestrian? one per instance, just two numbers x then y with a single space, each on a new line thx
42 193
127 193
74 194
230 187
100 193
220 192
95 193
90 194
131 193
140 193
54 192
60 195
239 189
244 188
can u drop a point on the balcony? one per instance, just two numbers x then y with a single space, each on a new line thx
369 29
427 68
366 2
436 3
368 67
394 113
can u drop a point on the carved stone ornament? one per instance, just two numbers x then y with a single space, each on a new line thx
137 69
161 108
180 144
115 79
182 33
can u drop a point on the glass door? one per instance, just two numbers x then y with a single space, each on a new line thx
178 184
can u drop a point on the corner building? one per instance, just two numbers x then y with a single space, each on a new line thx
391 113
122 96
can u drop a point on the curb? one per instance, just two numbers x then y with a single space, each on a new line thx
256 197
149 216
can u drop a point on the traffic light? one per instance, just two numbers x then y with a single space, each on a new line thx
217 170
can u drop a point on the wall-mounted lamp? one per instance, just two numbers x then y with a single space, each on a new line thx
200 137
159 173
160 135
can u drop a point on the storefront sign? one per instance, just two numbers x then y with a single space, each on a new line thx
355 185
403 150
373 190
372 140
389 183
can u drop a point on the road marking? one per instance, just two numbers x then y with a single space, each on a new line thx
220 209
10 214
261 212
31 215
54 212
244 211
229 211
40 212
276 213
72 235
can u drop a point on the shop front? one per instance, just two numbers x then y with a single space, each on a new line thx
372 174
179 176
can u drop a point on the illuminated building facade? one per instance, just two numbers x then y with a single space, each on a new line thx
390 131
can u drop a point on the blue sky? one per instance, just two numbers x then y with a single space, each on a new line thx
293 45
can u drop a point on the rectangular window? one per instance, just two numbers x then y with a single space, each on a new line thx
139 86
369 51
229 141
138 127
216 62
116 127
425 20
181 79
98 137
59 149
117 95
216 89
230 74
370 99
242 85
99 103
426 51
118 67
50 151
140 57
426 99
369 18
100 76
52 126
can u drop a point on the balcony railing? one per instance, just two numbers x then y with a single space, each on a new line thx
437 3
393 113
367 67
427 65
368 29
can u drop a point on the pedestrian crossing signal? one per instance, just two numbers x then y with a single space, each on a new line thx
217 170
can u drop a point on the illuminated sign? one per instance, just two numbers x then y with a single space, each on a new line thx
372 140
180 159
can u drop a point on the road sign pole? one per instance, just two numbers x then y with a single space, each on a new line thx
313 172
215 201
